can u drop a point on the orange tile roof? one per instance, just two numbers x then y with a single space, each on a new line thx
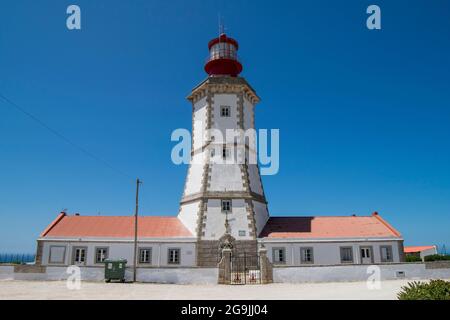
418 249
115 227
329 227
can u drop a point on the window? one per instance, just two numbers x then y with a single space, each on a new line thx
79 255
145 255
241 233
366 255
279 255
306 255
174 256
226 205
213 152
57 254
101 254
346 254
226 153
386 254
224 111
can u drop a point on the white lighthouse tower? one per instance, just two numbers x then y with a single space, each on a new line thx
223 195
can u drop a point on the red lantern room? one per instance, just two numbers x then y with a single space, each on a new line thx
223 58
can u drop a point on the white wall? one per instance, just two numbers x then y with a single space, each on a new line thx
248 114
179 276
226 177
215 220
305 274
124 250
412 271
189 214
261 215
199 122
194 175
154 275
255 181
223 123
328 253
428 252
6 272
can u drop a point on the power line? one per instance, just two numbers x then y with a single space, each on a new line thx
64 138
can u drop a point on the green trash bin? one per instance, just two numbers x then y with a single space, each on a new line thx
115 269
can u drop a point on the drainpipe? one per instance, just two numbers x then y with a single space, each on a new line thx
292 255
159 255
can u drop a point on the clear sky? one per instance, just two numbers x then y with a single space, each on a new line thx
364 116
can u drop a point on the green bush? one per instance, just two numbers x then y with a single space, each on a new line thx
437 257
413 258
433 290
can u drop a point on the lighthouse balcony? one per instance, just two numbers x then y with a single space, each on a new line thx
222 54
223 62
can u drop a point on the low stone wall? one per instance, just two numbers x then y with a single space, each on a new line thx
438 264
6 272
412 271
154 275
29 268
178 275
304 274
32 272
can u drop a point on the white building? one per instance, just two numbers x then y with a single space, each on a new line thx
221 202
421 251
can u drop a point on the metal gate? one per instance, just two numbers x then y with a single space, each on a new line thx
245 269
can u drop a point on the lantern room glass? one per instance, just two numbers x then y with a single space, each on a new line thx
223 50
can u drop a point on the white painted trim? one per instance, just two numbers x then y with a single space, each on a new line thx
194 240
140 240
302 240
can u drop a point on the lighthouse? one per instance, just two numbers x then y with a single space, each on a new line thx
223 197
223 223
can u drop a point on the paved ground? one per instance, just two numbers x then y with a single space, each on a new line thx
10 289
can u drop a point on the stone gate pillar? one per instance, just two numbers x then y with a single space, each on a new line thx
225 267
265 266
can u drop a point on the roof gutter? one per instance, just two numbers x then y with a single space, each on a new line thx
75 239
303 240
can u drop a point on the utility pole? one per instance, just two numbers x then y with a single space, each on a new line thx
138 182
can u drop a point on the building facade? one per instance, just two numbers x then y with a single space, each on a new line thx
421 251
223 202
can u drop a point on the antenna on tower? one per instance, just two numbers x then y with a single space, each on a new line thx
221 26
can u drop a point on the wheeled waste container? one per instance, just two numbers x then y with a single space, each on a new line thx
115 269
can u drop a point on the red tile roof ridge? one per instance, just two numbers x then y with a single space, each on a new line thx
350 216
118 216
410 249
54 223
388 225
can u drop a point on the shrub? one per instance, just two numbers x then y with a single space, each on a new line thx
433 290
437 257
413 258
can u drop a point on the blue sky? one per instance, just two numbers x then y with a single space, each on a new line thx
364 116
